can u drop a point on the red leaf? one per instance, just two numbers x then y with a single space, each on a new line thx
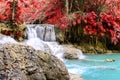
74 23
78 21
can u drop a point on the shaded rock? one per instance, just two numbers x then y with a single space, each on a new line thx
22 62
60 36
75 77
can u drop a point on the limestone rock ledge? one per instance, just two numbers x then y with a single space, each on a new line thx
22 62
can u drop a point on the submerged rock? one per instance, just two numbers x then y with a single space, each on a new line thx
22 62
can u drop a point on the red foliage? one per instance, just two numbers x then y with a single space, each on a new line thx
112 26
108 24
53 12
100 23
25 10
90 21
90 5
113 6
5 10
28 10
74 23
64 22
78 20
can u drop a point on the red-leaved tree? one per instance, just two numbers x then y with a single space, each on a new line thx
24 10
5 10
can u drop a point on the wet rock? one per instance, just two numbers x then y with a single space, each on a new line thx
22 62
70 52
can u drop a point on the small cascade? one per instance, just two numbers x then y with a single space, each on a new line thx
56 49
42 37
80 54
44 32
49 33
40 31
32 33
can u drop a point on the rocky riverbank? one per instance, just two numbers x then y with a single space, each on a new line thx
86 49
86 46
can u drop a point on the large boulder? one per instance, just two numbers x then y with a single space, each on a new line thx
70 52
22 62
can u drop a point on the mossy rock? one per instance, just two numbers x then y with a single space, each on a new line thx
17 32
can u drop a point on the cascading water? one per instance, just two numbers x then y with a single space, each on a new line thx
44 32
50 33
38 37
40 32
41 37
80 54
31 31
32 38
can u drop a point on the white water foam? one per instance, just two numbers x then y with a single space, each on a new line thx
7 39
76 69
80 54
56 49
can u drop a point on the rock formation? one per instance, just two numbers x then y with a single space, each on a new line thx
22 62
70 52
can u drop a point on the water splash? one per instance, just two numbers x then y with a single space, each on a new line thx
7 39
80 54
56 49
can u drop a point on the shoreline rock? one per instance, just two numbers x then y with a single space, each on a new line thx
75 77
70 52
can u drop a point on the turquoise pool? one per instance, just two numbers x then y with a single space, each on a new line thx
94 67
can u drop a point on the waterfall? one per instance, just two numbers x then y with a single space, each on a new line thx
40 37
32 32
44 32
49 33
40 31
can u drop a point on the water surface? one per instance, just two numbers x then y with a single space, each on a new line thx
94 67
